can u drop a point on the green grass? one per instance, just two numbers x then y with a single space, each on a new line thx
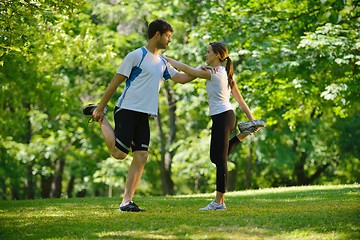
314 212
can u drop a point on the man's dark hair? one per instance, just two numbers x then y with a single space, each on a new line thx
158 25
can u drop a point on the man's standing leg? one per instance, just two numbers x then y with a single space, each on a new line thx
139 146
134 174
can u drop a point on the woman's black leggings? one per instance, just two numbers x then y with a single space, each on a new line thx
223 124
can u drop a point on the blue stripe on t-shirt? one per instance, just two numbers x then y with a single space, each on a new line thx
144 52
135 72
166 74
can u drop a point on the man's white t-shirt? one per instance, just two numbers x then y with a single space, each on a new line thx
218 92
144 72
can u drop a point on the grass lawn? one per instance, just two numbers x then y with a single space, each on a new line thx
313 212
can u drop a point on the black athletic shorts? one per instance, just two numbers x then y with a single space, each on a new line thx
132 131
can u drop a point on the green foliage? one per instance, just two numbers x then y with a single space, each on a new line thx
317 212
296 64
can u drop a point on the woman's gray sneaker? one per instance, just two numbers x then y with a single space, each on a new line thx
251 126
214 206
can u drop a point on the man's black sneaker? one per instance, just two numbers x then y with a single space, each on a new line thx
130 207
89 109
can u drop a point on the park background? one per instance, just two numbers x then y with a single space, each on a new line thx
296 64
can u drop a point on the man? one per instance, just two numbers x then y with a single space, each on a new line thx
143 70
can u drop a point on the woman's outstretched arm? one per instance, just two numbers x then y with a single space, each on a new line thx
196 72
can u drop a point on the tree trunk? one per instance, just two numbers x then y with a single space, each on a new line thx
14 191
3 188
318 173
70 187
57 184
166 155
59 170
300 173
46 182
167 184
231 183
30 183
81 193
171 101
249 168
300 170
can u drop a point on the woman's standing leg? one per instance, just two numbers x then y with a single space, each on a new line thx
223 124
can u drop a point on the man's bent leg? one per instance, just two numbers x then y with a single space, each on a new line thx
109 137
134 174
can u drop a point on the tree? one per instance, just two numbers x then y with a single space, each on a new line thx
295 63
44 63
288 85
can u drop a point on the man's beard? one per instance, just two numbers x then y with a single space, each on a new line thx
162 45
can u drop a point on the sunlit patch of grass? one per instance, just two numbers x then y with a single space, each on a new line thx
313 212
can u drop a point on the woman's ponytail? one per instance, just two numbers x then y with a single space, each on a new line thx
230 72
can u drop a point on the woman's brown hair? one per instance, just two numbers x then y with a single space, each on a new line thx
221 49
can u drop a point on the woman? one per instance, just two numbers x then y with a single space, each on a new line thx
219 86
